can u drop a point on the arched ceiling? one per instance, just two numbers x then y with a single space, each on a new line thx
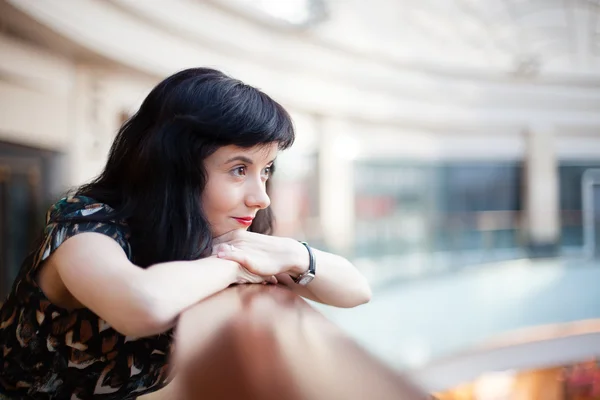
521 38
434 64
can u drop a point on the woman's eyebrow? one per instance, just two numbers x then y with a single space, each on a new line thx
240 158
245 159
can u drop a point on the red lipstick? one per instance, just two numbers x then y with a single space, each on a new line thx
246 221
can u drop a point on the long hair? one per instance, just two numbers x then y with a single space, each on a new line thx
155 174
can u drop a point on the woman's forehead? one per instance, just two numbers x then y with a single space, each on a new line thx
260 154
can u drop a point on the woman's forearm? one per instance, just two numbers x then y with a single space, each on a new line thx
172 287
95 273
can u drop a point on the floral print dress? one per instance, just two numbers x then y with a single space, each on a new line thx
48 352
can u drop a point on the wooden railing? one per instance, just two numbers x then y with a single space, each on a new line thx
264 342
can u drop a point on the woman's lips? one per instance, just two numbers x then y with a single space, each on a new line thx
244 221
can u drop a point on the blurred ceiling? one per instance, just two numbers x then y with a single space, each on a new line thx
524 37
519 37
422 64
501 38
299 13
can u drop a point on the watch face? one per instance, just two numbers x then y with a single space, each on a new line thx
305 280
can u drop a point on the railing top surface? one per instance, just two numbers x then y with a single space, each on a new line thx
264 342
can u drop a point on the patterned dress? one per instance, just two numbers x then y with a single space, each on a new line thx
49 352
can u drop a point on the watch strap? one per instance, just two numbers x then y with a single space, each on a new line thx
307 276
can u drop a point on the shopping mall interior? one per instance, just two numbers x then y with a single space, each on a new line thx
449 148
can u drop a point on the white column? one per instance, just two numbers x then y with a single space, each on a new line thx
541 192
93 126
336 185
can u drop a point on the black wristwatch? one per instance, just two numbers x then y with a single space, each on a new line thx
307 277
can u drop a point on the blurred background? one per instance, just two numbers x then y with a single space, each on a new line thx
450 148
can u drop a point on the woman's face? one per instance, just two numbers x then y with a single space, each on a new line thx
235 189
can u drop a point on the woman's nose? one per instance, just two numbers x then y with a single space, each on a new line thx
258 197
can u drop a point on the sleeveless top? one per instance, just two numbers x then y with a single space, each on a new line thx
48 352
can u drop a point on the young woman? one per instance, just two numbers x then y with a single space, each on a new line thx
179 213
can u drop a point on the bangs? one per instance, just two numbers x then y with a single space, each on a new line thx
259 120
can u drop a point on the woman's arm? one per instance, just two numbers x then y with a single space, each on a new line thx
337 282
134 301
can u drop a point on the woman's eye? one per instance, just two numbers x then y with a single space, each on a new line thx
239 171
267 172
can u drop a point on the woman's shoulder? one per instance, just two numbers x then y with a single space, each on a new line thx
77 206
77 214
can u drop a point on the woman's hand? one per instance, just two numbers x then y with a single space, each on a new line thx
262 255
338 282
244 276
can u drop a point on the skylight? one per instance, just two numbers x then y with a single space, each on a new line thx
294 12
